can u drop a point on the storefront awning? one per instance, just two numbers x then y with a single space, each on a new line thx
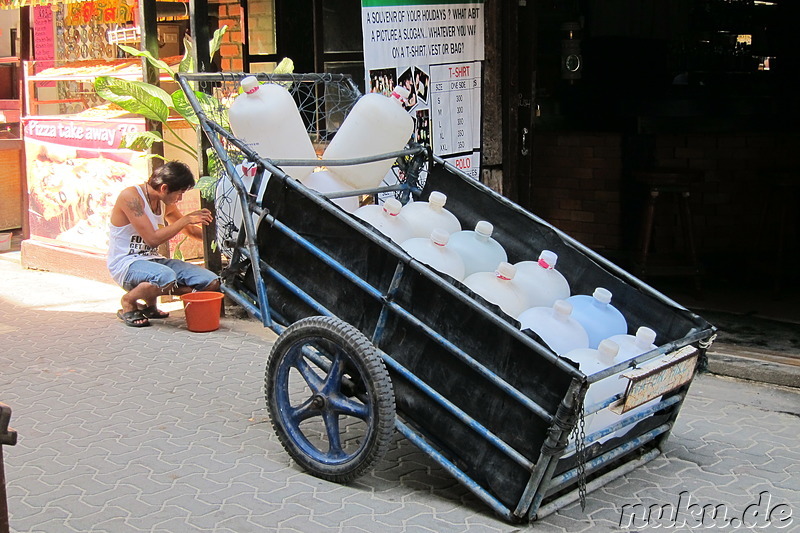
100 6
16 4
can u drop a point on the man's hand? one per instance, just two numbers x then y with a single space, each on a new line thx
201 216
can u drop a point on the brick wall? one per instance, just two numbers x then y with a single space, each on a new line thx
230 14
738 185
580 184
576 185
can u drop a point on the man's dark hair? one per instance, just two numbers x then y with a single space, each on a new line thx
175 175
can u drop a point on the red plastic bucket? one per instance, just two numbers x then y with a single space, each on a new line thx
202 310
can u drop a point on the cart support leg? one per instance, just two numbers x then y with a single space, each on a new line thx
553 446
595 484
394 286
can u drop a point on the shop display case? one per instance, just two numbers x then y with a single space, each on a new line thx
11 148
75 164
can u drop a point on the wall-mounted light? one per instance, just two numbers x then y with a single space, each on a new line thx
571 58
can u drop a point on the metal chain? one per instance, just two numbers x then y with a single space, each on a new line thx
706 344
579 436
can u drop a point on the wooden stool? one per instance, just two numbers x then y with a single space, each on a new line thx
679 183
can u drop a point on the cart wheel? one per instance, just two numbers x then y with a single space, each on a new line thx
330 398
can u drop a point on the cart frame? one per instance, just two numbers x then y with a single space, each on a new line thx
543 481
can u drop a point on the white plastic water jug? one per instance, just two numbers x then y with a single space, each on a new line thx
592 361
479 251
228 207
434 252
632 345
424 217
629 346
559 331
542 283
386 219
376 125
598 317
498 287
266 118
323 181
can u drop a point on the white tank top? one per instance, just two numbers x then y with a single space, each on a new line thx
126 246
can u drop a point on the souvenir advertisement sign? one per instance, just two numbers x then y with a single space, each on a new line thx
435 51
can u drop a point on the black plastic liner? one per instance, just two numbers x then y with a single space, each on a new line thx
443 308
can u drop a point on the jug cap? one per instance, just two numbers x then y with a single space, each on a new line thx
602 295
437 199
440 237
392 206
562 308
548 259
248 168
645 337
608 349
401 94
249 84
484 228
506 271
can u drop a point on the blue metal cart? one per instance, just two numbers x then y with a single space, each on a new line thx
372 341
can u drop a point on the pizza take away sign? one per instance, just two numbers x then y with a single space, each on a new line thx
96 135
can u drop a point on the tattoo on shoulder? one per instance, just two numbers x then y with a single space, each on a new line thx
136 206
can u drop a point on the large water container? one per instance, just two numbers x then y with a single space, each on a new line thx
629 347
632 345
479 251
228 207
592 361
434 252
325 182
385 218
424 217
498 287
599 318
266 118
541 282
376 125
559 331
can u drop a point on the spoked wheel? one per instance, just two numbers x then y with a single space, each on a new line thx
330 398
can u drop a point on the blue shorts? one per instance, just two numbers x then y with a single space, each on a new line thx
162 272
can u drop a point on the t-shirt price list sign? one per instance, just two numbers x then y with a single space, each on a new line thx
435 49
452 90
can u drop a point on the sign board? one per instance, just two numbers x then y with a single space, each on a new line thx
658 377
44 44
75 172
435 50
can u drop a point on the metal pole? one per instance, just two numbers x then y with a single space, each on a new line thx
3 500
8 437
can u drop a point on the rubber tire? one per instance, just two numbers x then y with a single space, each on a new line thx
366 370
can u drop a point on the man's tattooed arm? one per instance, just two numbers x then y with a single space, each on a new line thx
136 206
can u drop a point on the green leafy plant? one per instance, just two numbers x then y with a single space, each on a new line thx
153 102
177 254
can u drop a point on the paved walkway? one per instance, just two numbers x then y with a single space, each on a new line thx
163 430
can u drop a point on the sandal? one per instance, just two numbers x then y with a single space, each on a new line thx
134 319
153 312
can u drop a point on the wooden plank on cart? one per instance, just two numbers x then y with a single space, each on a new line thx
657 378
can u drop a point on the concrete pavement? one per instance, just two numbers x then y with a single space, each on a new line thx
160 429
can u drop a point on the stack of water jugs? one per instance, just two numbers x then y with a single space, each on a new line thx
586 329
